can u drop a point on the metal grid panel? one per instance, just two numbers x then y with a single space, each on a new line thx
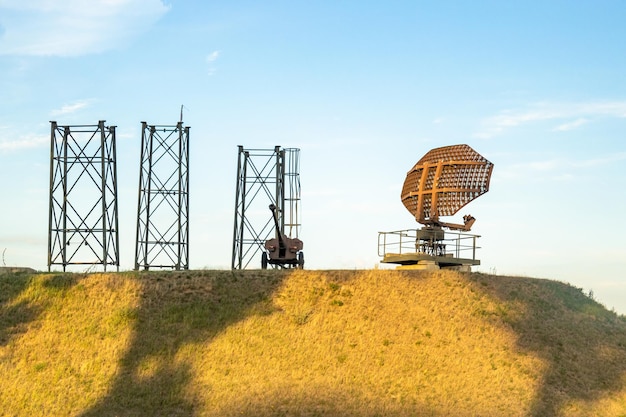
292 216
445 180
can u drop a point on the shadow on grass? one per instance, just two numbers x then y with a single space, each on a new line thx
177 310
325 402
581 342
15 314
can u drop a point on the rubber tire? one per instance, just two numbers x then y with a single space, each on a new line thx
301 260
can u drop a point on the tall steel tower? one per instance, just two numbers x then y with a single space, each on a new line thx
163 207
264 177
83 216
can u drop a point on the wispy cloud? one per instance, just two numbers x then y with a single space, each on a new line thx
559 168
568 115
71 108
210 59
213 56
24 142
73 27
571 125
602 161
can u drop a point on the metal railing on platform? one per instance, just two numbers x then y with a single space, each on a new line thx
429 242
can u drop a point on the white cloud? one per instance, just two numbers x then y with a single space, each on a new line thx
560 169
24 142
210 59
594 162
213 56
608 108
73 27
564 177
582 113
543 165
571 125
70 108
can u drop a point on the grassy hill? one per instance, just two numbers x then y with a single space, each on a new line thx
306 343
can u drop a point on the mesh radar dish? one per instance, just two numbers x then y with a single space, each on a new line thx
445 180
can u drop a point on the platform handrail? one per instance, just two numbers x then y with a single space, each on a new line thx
454 243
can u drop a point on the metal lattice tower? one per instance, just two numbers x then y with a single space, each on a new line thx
163 207
83 215
264 177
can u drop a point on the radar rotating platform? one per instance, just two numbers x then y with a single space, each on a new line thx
440 184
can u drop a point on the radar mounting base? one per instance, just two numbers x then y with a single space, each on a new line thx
430 247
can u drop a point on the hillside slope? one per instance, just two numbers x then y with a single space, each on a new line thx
307 343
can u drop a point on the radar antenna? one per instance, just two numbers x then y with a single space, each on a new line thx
442 182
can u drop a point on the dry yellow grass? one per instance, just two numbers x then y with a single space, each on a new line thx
73 333
310 343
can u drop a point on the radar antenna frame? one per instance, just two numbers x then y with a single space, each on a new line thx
442 182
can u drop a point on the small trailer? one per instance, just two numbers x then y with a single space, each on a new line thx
282 251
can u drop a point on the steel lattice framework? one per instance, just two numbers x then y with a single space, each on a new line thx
264 177
444 181
163 207
83 214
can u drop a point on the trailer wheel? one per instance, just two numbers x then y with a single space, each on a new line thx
264 260
301 260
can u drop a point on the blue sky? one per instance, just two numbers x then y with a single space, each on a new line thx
364 89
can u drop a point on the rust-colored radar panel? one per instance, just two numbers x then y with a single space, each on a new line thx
445 180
